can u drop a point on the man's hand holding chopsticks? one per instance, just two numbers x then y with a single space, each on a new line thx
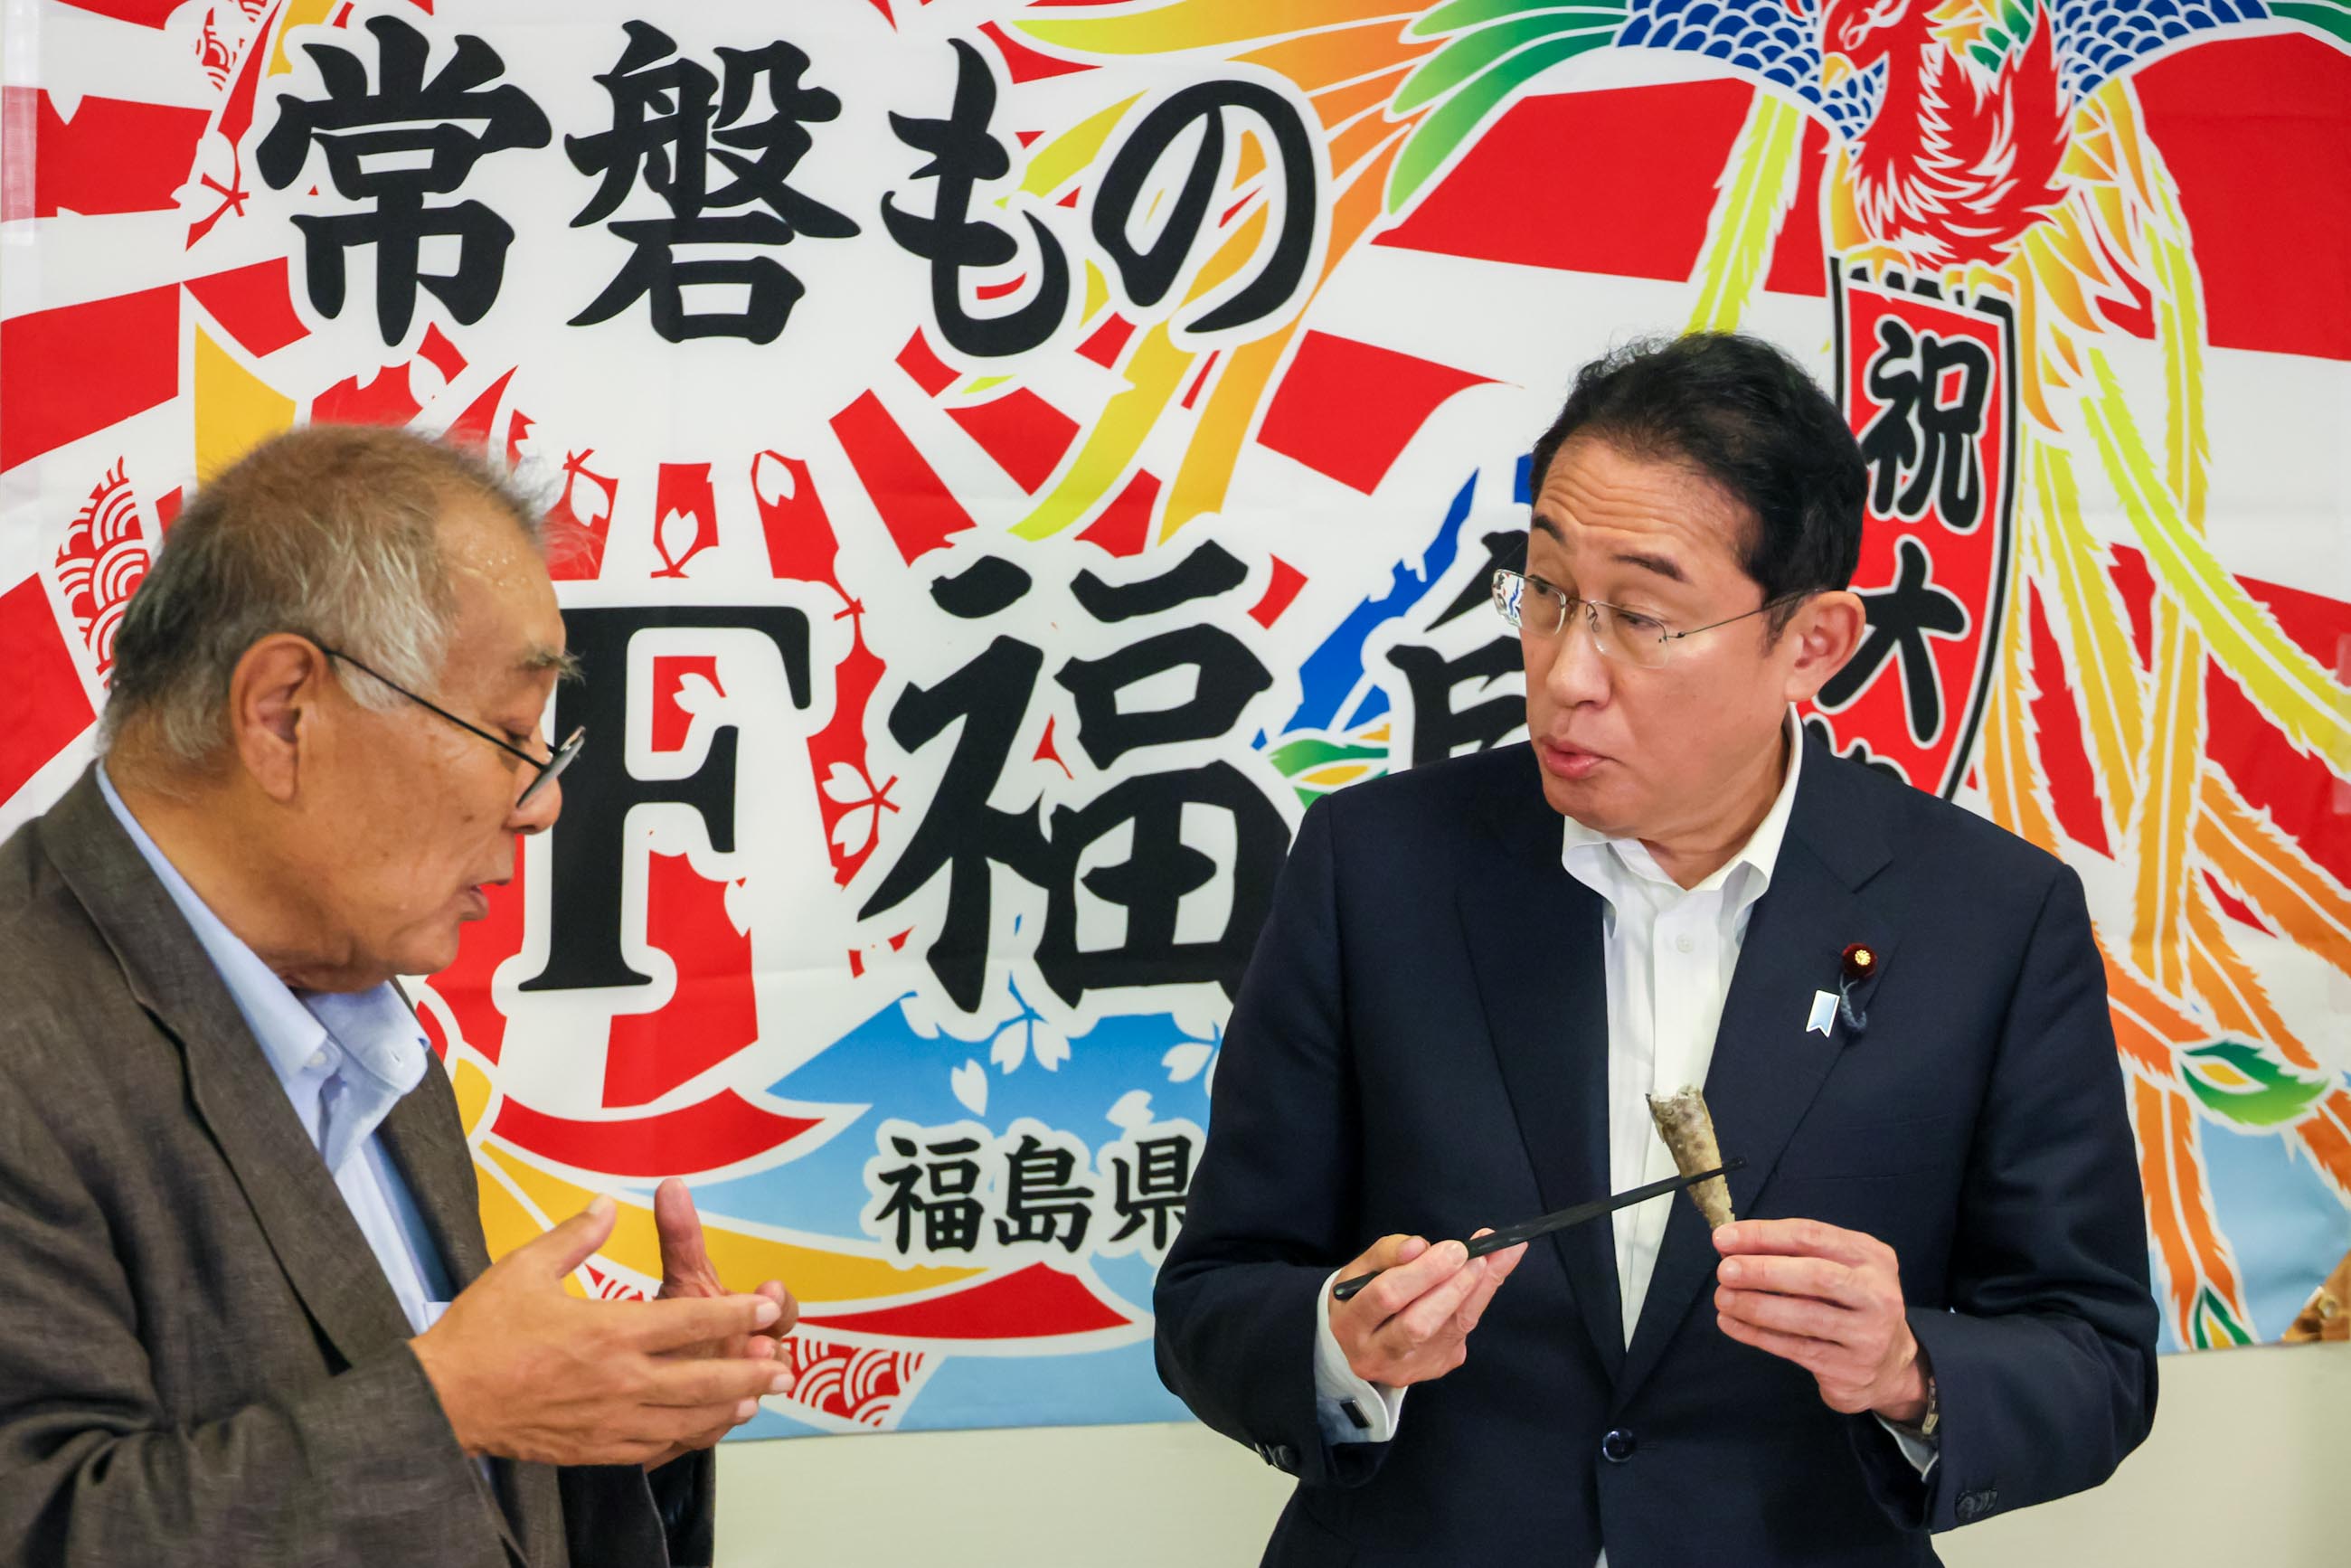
1413 1322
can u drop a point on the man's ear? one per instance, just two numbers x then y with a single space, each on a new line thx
1824 630
273 695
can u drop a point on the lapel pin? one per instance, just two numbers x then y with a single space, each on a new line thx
1858 965
1824 1011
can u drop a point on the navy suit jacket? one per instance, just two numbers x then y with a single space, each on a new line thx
1421 1046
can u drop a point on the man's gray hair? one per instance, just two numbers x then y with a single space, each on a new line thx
330 531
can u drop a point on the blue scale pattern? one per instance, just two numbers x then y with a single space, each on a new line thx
2096 41
1761 36
2099 40
1762 39
1853 104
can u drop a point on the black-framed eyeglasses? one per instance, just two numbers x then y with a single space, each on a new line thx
1539 609
548 770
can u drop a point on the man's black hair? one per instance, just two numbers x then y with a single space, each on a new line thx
1745 415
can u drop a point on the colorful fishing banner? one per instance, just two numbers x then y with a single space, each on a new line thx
1007 461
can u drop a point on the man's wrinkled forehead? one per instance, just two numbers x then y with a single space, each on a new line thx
1657 562
506 601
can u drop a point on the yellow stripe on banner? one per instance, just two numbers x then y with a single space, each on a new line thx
2292 688
2038 374
2010 773
1200 23
1058 162
2166 814
2179 323
813 1274
2103 662
1240 246
235 409
1155 366
1097 292
2225 1076
1318 62
2132 166
298 14
1757 189
473 1088
507 1222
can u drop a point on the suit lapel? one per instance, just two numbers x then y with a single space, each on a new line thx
425 1139
301 1211
1768 1067
1534 940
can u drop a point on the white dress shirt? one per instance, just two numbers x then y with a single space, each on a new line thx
344 1061
1669 955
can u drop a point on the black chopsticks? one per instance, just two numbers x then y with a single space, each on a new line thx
1560 1219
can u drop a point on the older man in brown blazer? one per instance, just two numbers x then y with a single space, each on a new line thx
246 1313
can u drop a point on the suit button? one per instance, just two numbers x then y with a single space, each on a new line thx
1618 1446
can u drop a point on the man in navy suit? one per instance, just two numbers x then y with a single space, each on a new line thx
1934 1305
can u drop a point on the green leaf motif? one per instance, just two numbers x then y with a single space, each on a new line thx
2211 1325
1295 757
2277 1097
1466 112
2006 36
1309 752
1473 53
1459 15
2332 17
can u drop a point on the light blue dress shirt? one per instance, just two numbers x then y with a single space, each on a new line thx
344 1061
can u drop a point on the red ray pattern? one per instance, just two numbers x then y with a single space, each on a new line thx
1026 436
72 371
113 156
708 1135
2270 238
1029 1303
915 504
42 706
1347 409
254 305
1628 182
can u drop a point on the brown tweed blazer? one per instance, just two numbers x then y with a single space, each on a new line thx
200 1362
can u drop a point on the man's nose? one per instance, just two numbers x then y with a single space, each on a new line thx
1578 674
537 814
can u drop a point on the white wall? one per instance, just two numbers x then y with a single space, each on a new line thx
2250 1466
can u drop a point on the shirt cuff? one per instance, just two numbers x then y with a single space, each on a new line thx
1920 1450
1337 1388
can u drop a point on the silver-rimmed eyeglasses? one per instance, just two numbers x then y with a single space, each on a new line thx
1539 609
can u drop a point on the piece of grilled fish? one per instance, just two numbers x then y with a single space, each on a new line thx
1688 1131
